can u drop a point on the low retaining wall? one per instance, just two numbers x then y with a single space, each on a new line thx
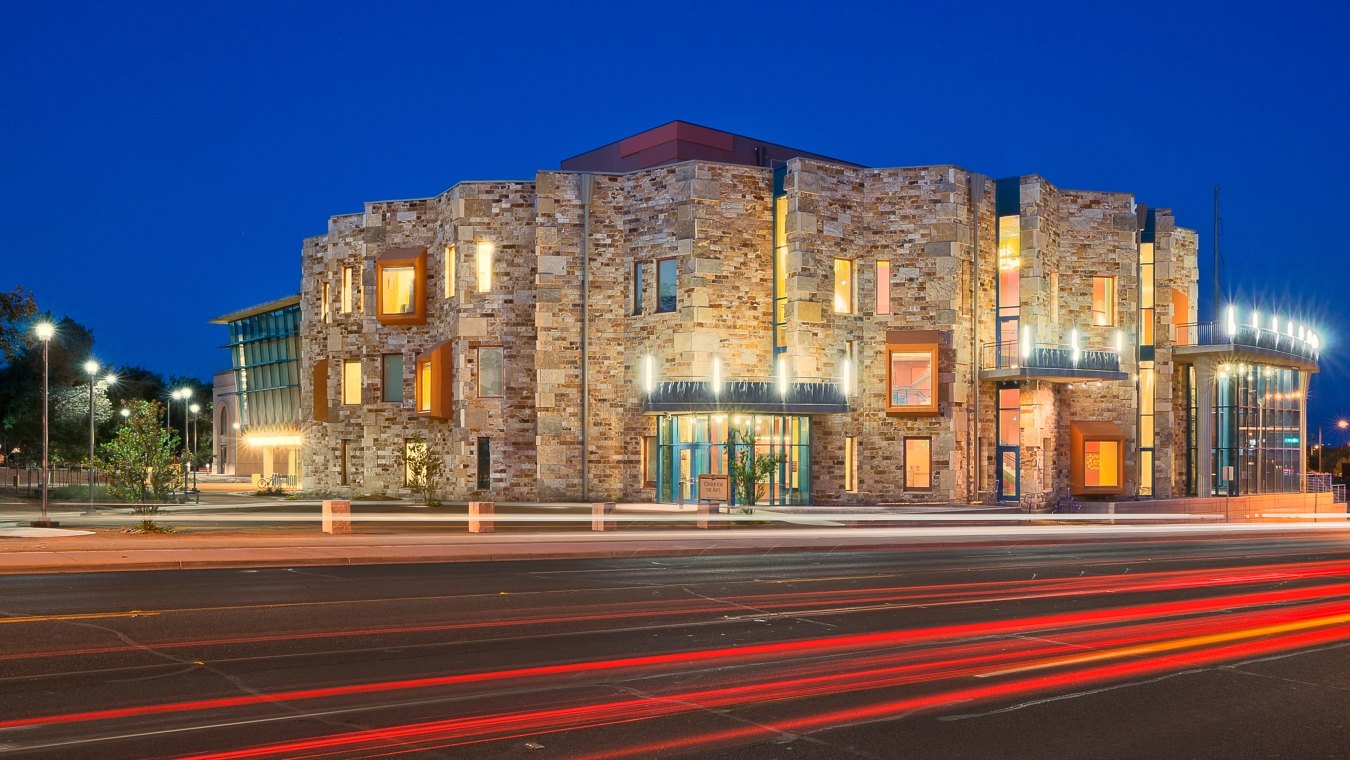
1236 508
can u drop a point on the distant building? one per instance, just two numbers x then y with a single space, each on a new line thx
257 429
662 304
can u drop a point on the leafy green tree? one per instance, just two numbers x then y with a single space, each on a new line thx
140 461
16 309
750 472
421 467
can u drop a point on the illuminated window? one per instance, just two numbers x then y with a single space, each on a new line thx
844 286
1103 301
398 287
484 463
424 386
1009 417
909 379
413 450
489 371
639 281
851 464
1054 297
883 287
326 304
1009 281
918 464
449 271
1100 464
392 376
320 383
346 290
483 259
667 280
1146 294
351 381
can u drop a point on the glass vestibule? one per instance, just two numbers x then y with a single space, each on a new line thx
1256 424
690 445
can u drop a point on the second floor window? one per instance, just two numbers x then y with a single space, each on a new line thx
449 271
1103 301
351 381
666 285
489 371
843 286
346 290
393 377
883 287
398 286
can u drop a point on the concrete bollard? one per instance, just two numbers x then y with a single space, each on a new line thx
600 514
337 516
480 516
706 508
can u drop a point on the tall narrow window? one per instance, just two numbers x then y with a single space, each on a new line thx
484 464
844 286
1146 294
351 381
392 377
883 287
1054 298
1009 283
649 461
346 290
851 464
851 359
639 280
326 304
1009 417
918 464
345 464
1103 301
780 261
424 387
667 285
489 371
483 258
450 271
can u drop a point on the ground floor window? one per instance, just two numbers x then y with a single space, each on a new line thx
484 464
918 464
850 464
649 460
689 445
344 474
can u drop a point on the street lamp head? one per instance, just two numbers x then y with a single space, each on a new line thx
195 408
110 378
125 412
187 392
45 330
91 367
1343 424
177 394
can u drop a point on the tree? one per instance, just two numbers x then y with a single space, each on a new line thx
420 467
16 309
749 471
140 461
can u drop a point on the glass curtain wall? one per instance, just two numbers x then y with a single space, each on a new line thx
266 351
689 445
780 255
1256 421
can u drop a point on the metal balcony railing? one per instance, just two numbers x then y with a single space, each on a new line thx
1216 334
1008 355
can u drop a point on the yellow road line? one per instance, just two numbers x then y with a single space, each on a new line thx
84 616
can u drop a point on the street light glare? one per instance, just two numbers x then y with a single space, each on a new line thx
187 392
45 330
1343 424
110 378
194 408
125 412
91 367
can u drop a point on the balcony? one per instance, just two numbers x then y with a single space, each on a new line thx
759 396
1245 342
1056 364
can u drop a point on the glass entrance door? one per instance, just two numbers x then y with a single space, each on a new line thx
1009 464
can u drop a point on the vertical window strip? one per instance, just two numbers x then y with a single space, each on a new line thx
851 464
883 287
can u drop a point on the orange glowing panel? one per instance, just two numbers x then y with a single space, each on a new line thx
435 390
400 286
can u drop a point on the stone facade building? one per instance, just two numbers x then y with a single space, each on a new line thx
665 306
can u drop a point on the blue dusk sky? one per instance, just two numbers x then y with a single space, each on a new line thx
161 162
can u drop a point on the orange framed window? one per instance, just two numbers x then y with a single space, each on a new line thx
400 286
434 388
1103 301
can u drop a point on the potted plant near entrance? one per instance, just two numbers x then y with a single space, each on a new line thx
749 471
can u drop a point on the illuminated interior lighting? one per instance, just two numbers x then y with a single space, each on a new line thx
717 376
262 441
648 374
1230 321
1073 344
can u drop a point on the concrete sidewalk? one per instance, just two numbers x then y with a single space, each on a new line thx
111 550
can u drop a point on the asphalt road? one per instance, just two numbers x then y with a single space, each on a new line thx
1238 648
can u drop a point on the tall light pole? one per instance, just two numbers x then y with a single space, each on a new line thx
194 409
45 331
91 368
186 395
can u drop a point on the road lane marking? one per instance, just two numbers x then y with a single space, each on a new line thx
81 616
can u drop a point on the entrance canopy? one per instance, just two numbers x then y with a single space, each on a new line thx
746 396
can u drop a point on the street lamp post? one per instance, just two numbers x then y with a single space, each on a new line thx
91 367
186 395
45 331
194 409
